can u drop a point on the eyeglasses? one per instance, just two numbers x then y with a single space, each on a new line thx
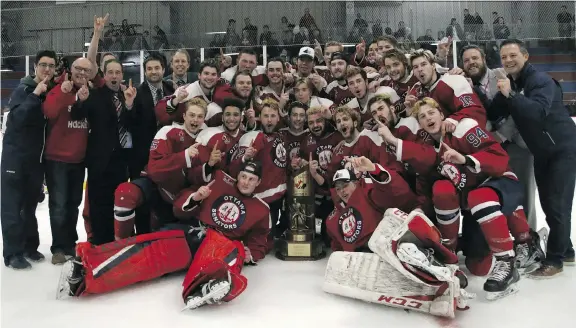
46 65
82 69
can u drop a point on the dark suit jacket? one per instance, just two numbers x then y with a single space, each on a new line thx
103 138
144 125
192 77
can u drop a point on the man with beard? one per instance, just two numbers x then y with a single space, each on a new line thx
325 57
305 68
366 143
295 133
317 150
209 87
267 147
225 137
276 89
399 78
175 154
180 64
109 114
521 160
337 90
454 94
149 93
247 62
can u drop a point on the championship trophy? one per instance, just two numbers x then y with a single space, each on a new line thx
299 242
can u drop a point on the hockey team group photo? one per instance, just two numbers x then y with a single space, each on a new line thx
336 149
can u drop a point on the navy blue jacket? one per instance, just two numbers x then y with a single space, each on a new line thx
539 113
24 137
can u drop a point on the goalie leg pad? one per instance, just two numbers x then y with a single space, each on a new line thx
217 258
127 198
125 262
365 276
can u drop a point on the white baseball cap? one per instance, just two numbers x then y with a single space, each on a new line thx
306 51
344 176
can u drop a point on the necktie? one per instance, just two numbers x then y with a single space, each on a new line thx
122 132
180 83
483 97
158 96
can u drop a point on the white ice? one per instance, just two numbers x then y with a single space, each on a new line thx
279 294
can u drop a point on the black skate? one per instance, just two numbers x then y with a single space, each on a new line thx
529 256
503 279
71 281
211 292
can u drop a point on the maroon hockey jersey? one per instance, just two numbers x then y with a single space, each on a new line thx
401 88
339 94
321 149
489 159
168 162
456 98
293 142
238 217
273 157
351 225
227 143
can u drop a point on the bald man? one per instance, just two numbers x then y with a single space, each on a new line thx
64 157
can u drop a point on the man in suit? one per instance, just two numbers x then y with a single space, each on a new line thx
180 64
109 112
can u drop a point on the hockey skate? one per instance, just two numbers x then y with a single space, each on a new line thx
529 256
71 279
503 279
211 292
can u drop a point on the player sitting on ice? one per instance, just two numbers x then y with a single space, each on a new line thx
409 269
469 167
360 202
238 224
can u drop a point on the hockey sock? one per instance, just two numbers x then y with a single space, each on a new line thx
447 208
485 208
127 198
518 225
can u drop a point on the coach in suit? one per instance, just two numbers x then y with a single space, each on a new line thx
108 110
180 64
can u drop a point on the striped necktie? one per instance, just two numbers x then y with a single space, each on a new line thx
122 132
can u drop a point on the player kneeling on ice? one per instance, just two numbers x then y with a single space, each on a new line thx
409 269
469 167
233 227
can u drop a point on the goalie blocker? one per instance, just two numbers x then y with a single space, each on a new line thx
207 254
401 272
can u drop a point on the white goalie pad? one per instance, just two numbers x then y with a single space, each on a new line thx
398 274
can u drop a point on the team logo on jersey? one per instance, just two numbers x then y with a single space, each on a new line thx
324 154
294 149
69 108
351 225
154 145
181 135
346 100
228 212
311 140
226 139
466 100
454 173
279 153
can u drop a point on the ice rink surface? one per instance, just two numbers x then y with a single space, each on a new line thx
279 294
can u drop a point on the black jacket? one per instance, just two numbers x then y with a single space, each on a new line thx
144 124
103 138
539 113
24 138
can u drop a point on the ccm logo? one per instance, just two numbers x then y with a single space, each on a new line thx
400 301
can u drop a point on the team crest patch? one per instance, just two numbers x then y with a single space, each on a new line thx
324 154
294 149
154 145
278 153
453 173
351 225
228 212
226 139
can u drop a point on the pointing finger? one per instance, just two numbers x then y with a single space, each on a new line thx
211 183
106 17
215 146
46 79
130 83
195 145
66 77
310 158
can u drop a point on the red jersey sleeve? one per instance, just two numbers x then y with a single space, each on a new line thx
457 98
256 239
254 138
184 206
166 113
334 244
421 157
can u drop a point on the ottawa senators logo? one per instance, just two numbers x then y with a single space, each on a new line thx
351 224
454 173
294 149
324 154
278 153
228 212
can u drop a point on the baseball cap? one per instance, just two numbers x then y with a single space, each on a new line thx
338 55
306 52
344 176
253 167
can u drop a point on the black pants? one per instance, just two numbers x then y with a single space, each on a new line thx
65 183
19 199
556 180
102 182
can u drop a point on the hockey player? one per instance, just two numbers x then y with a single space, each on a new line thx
295 133
337 90
410 269
174 151
237 225
472 169
400 77
453 92
361 203
305 92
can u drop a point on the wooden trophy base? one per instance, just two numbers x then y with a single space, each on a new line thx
299 246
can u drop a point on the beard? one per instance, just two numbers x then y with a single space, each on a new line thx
477 77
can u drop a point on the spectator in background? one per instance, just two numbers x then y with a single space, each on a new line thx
377 29
251 32
388 31
301 36
308 21
517 30
441 35
316 36
469 22
501 31
454 30
479 25
232 38
401 33
161 38
495 19
360 23
565 21
425 41
127 29
266 35
246 39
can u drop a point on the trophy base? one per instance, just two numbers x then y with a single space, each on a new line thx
288 250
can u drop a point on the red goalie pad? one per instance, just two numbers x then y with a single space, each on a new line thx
125 262
217 257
